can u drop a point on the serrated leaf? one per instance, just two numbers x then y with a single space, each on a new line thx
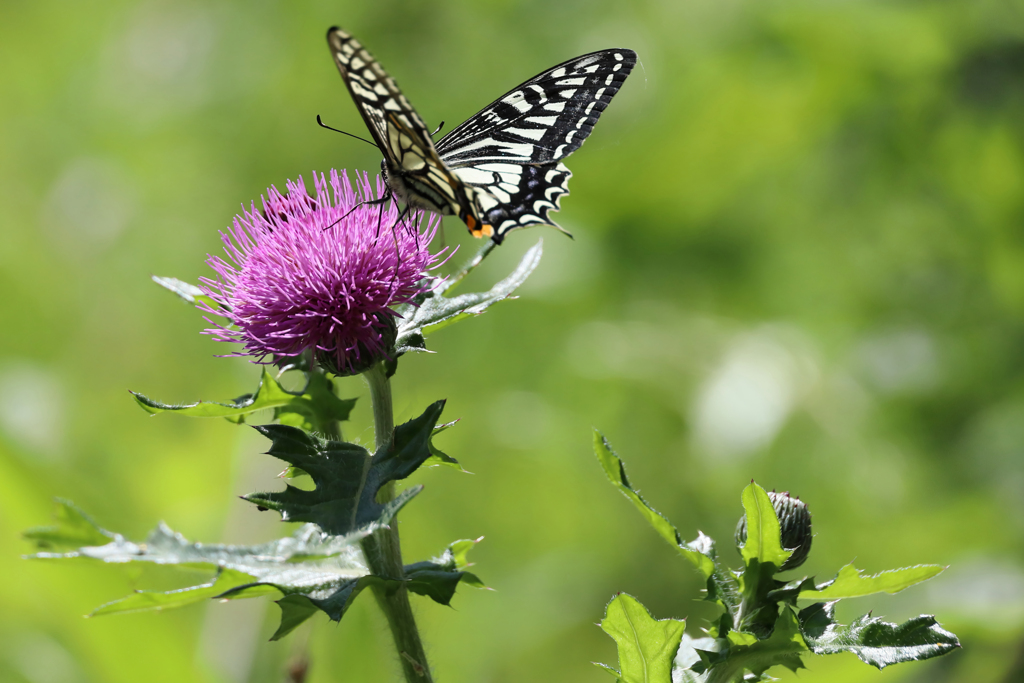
874 641
309 563
646 646
434 310
692 652
141 601
309 557
295 609
347 479
763 556
851 582
186 291
605 667
312 569
764 536
616 471
74 529
792 590
438 578
741 652
316 408
311 409
720 585
439 457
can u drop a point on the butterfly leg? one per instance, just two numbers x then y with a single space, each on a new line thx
382 200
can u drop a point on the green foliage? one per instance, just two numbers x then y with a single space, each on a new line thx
324 565
439 457
763 543
433 310
438 578
189 293
311 569
307 561
851 582
347 477
759 627
876 642
314 408
721 586
646 645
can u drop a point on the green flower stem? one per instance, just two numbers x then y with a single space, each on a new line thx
383 550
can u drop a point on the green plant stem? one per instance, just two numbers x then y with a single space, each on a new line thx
383 550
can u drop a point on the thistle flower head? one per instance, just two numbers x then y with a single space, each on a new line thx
299 276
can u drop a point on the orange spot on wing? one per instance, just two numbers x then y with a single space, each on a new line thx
476 228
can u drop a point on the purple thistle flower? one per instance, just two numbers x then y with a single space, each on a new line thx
291 283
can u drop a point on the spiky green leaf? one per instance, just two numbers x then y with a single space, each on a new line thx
764 540
439 457
438 578
186 291
309 562
616 472
646 646
73 529
851 582
874 641
312 409
346 478
434 310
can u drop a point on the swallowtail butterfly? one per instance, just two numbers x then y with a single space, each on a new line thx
501 169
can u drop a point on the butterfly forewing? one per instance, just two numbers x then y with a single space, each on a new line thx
544 119
372 89
418 174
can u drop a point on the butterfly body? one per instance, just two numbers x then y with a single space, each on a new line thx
502 168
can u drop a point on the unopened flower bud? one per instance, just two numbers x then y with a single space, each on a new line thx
794 523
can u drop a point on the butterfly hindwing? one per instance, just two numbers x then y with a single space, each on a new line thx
511 195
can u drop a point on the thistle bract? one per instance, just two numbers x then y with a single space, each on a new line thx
319 272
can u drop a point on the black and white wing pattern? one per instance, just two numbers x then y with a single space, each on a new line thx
501 169
413 169
510 152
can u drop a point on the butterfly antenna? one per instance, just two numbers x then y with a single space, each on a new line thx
438 129
324 125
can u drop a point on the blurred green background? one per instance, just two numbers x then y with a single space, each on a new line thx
799 258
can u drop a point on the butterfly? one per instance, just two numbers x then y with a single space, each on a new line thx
502 168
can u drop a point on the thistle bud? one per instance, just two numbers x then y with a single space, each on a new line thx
794 523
